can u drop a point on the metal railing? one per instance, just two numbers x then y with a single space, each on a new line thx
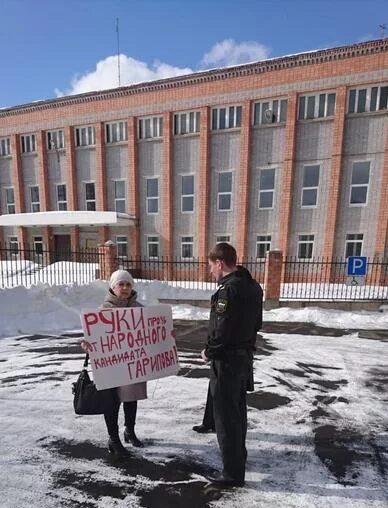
326 279
25 266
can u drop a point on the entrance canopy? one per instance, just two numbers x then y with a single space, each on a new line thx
77 218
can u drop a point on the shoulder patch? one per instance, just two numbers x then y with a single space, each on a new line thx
221 305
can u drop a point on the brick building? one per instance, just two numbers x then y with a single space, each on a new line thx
289 153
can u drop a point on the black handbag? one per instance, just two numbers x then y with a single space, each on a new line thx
87 399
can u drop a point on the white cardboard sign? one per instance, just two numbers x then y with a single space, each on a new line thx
129 345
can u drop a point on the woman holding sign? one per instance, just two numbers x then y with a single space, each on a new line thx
122 294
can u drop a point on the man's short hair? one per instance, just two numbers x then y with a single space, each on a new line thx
224 252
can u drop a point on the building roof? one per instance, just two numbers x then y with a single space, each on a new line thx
284 62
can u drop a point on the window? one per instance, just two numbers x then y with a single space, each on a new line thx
35 201
122 246
187 200
10 200
225 191
270 112
187 246
223 239
353 244
151 127
316 106
153 247
61 197
267 188
13 244
38 244
120 205
305 246
310 186
28 143
363 100
85 136
360 182
263 244
186 123
226 118
55 140
5 147
90 196
152 195
116 131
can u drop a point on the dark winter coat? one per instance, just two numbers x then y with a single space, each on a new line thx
235 316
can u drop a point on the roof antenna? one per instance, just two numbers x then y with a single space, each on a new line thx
118 50
383 29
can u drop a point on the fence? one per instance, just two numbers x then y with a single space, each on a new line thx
325 279
24 266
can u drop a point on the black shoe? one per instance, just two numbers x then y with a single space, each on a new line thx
130 437
115 447
225 481
202 429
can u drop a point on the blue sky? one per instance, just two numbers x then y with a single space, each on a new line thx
52 48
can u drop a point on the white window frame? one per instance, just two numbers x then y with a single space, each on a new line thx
116 132
120 241
120 199
152 198
10 205
224 193
13 241
354 242
35 205
55 140
267 191
38 240
187 122
314 187
150 127
183 196
308 241
185 243
368 97
263 240
85 136
61 204
232 117
88 200
28 143
316 105
260 115
355 185
153 240
5 147
223 238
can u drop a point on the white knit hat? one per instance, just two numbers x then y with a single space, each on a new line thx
120 276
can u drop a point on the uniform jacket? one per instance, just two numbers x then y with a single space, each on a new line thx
135 391
235 316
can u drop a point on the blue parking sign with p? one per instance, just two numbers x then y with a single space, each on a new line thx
357 266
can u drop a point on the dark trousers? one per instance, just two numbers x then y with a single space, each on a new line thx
111 418
208 417
228 384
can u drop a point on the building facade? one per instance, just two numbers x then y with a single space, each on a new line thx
289 154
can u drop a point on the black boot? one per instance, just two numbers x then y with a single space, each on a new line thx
117 448
130 436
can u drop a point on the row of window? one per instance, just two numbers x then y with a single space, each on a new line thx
353 245
360 100
309 195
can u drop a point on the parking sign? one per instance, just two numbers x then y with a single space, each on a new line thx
357 266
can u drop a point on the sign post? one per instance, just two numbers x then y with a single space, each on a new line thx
356 270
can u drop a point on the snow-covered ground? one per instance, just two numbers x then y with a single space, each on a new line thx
318 425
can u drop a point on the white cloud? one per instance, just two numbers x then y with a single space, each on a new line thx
105 75
132 71
230 52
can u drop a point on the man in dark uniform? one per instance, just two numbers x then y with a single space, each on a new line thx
235 317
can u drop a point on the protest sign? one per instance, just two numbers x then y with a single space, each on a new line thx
129 345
